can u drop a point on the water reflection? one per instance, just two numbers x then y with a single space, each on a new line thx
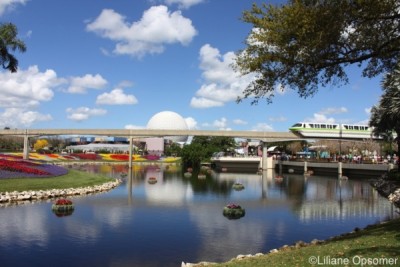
181 218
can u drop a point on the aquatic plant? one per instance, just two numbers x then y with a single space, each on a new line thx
238 186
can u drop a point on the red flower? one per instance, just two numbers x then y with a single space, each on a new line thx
233 206
63 201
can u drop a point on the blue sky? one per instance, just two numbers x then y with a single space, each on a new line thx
114 64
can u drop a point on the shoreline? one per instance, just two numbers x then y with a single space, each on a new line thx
29 196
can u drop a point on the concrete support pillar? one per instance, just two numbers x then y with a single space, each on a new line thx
25 154
340 169
305 167
265 156
130 152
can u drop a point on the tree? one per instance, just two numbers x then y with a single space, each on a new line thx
385 117
308 43
173 149
202 148
9 41
193 154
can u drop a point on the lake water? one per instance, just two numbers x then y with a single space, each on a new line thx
180 219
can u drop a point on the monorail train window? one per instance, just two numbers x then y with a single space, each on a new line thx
298 125
311 125
346 127
356 128
323 126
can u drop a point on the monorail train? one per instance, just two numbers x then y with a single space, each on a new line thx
334 131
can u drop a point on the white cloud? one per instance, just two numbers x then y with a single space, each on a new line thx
84 113
27 87
368 111
191 123
281 90
79 85
222 124
116 97
201 102
277 119
320 118
239 122
221 83
263 127
21 93
16 117
157 27
184 4
9 5
328 111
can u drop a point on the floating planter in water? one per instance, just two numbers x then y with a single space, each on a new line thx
238 186
63 207
152 180
233 211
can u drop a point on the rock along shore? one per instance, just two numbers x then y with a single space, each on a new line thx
16 197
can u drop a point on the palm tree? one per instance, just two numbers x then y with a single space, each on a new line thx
9 41
385 117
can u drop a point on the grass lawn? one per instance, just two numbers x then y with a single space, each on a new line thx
73 179
377 245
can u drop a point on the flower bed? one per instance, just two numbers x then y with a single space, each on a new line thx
119 157
152 157
233 211
22 168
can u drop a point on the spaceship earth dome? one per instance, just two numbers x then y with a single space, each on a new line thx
168 120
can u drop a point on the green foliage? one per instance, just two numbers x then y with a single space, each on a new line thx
308 43
385 117
173 150
202 148
11 143
193 154
9 41
215 143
